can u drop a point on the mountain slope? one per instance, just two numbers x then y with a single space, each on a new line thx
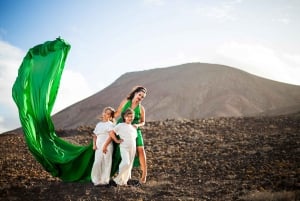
190 91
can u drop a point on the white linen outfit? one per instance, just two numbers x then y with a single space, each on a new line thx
127 149
102 164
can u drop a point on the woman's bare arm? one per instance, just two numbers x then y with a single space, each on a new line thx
119 110
142 119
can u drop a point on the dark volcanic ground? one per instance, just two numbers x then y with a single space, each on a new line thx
208 159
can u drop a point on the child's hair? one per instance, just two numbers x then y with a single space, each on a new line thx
112 113
127 112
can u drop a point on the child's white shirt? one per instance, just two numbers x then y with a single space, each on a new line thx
126 132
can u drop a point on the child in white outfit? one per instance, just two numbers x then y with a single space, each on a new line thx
100 174
127 134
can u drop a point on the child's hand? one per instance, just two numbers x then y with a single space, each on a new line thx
120 141
104 150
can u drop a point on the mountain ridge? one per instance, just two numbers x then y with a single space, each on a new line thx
189 91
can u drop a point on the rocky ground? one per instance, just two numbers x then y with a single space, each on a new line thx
208 159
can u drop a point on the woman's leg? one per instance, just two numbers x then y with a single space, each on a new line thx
143 163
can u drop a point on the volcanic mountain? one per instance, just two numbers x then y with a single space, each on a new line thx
189 91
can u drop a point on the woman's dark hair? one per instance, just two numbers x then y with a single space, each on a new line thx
127 112
136 90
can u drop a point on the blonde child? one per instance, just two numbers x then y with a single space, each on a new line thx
127 133
100 174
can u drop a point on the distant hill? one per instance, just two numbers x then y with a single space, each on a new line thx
189 91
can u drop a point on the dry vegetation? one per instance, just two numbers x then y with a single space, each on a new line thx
207 159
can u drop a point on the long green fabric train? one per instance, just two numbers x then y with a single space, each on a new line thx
34 93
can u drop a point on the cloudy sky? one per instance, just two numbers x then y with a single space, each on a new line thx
109 38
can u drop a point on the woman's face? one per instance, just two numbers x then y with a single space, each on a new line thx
139 96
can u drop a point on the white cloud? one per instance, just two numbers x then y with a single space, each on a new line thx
2 126
293 58
284 20
283 16
260 60
73 88
223 12
10 60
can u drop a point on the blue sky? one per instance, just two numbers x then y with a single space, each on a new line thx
110 38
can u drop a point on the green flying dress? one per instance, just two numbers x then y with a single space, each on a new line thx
34 93
139 141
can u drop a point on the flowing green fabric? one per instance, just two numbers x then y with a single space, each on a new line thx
34 93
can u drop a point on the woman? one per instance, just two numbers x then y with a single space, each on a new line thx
133 101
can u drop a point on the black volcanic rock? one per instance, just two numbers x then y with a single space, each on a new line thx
243 159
